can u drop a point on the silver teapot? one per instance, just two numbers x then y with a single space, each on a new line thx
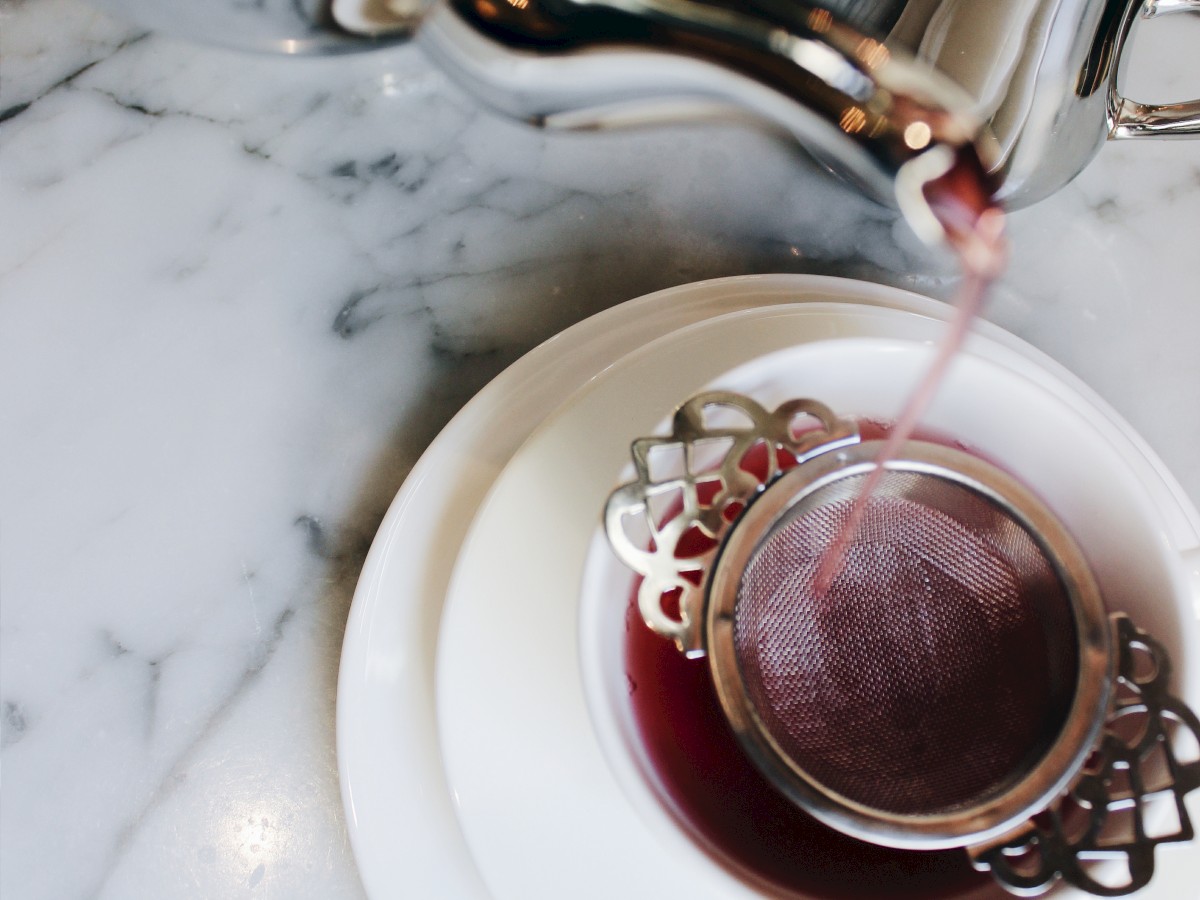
867 86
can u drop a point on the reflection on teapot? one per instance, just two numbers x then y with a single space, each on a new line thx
867 86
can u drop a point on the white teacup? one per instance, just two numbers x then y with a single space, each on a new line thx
1140 542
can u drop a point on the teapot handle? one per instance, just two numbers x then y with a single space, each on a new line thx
1130 119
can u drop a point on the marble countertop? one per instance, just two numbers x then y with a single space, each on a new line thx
240 294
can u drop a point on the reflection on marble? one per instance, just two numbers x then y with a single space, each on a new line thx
240 294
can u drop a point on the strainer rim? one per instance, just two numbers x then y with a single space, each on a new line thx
971 824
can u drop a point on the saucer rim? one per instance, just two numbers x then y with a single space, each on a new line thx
385 730
478 799
390 769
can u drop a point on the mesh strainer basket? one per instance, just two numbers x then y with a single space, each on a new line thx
958 683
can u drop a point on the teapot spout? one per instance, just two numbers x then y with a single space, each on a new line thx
863 109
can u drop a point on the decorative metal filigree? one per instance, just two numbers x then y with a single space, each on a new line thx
1103 821
1100 835
666 525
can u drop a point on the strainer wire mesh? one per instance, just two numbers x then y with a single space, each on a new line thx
936 670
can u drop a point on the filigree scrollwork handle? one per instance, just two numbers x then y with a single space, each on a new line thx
1103 818
666 525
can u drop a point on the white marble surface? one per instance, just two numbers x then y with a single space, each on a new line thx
240 294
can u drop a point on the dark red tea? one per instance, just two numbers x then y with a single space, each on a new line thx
734 811
742 820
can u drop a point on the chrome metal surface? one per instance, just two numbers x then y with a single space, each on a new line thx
866 86
1154 8
1045 75
1130 119
1106 816
1168 120
861 108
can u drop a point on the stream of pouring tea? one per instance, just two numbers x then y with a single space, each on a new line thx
973 223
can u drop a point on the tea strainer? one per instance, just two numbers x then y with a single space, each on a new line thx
959 682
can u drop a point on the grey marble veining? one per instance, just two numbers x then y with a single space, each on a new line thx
240 294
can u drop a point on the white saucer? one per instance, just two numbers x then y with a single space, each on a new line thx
400 815
402 823
540 805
